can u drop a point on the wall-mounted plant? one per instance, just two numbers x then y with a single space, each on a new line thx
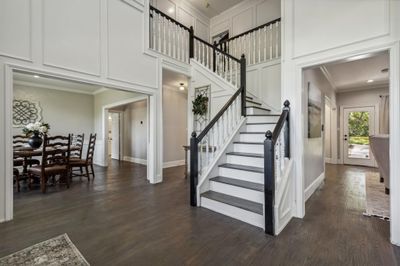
200 105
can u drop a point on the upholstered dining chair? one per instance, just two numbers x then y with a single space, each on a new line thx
55 160
88 162
21 141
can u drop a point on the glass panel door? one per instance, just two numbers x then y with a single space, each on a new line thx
359 124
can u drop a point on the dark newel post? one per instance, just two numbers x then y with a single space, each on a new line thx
191 42
193 168
269 183
286 105
214 57
243 82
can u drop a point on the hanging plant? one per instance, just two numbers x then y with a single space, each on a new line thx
200 105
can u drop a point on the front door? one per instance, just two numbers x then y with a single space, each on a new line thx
358 125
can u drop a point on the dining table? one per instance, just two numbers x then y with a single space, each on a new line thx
26 152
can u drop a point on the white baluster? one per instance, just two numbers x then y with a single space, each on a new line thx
270 41
254 47
277 39
265 43
230 70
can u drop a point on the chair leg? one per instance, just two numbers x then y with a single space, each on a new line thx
91 167
66 178
43 183
87 172
16 173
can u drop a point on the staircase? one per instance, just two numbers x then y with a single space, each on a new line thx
238 190
239 163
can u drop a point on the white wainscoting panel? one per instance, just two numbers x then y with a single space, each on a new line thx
317 25
71 35
241 22
126 61
15 28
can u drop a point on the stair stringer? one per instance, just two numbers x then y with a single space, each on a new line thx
283 207
204 180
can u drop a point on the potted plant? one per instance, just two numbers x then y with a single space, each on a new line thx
35 132
200 105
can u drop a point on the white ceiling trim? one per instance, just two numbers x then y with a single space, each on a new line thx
50 87
328 76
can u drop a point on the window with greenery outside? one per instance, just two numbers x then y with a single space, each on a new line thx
359 128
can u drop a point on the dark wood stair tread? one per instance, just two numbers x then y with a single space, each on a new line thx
242 167
262 123
238 183
264 115
249 97
234 201
246 154
252 133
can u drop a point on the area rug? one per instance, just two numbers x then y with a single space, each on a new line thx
377 202
56 251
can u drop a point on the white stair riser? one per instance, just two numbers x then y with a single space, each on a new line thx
239 192
252 137
256 111
262 119
234 212
243 160
260 128
248 148
242 175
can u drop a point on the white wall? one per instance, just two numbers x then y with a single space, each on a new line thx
135 132
186 14
314 158
349 28
66 112
245 16
174 125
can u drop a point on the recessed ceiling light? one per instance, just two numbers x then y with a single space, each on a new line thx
171 10
36 76
181 88
370 81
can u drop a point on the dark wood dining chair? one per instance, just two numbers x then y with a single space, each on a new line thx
88 162
20 141
77 141
55 160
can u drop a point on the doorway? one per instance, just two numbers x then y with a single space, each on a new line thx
114 135
358 126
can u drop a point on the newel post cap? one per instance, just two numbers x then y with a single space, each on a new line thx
286 103
194 134
268 134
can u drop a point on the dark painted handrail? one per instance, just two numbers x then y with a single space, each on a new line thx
269 166
251 30
168 17
217 49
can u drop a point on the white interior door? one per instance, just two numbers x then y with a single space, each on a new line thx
115 136
358 125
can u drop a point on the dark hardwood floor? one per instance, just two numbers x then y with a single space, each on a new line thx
120 219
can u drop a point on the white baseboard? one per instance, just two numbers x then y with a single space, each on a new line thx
331 160
314 185
102 164
135 160
173 163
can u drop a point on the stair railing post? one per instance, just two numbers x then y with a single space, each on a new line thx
215 57
191 42
193 168
243 82
269 183
286 107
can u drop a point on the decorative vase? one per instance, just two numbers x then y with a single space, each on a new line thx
35 141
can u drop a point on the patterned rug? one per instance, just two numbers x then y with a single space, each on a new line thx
377 202
56 251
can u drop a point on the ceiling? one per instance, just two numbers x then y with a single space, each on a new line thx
29 79
171 80
213 7
354 73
